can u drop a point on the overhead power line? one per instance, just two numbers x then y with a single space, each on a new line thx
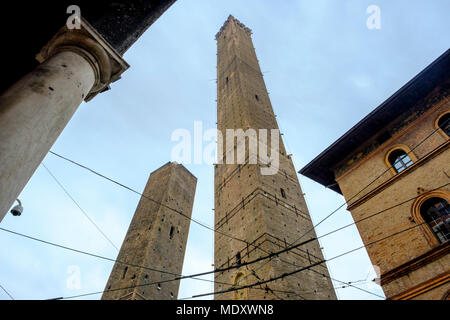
79 207
371 182
180 277
9 295
287 274
181 213
364 188
213 229
85 252
204 225
152 200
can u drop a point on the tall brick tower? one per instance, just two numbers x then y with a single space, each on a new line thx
267 212
156 238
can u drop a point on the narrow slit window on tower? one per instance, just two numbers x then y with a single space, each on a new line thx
256 97
171 232
283 193
238 259
124 272
226 80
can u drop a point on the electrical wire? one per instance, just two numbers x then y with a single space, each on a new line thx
215 230
341 228
204 225
370 183
287 274
9 295
180 277
79 207
347 201
181 213
139 286
150 199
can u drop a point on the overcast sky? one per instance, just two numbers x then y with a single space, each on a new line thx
324 69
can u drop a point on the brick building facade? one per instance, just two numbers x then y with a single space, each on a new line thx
393 170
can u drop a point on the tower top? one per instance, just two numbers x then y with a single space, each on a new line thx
239 24
174 164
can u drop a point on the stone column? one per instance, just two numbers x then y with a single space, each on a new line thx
75 66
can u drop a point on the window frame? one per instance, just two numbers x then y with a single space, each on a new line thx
438 128
417 217
403 148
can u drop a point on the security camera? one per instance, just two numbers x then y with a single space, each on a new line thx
17 210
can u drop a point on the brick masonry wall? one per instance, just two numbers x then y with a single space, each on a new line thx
156 238
371 166
433 172
266 212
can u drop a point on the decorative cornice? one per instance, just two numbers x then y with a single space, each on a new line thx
424 287
438 150
107 64
408 127
416 263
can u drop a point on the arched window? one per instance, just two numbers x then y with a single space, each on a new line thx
399 160
436 213
444 123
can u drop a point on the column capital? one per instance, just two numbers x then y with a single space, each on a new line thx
107 64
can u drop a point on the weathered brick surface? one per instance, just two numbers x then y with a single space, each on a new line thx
363 172
156 238
427 174
266 212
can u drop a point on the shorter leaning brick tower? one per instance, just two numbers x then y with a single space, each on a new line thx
156 238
